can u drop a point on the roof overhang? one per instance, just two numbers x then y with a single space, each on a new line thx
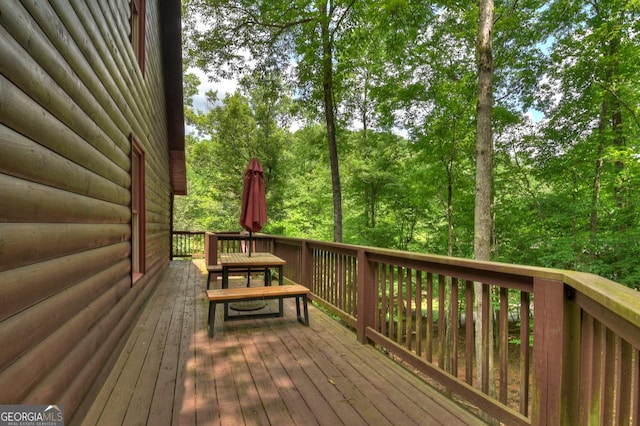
171 33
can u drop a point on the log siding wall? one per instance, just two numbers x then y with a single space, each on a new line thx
71 94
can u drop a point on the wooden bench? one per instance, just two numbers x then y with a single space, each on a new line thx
226 295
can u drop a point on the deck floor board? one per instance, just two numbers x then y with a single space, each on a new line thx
254 371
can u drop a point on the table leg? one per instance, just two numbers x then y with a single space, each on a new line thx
212 317
225 284
281 282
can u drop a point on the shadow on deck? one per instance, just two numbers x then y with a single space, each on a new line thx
263 371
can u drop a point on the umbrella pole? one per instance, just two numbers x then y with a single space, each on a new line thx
249 271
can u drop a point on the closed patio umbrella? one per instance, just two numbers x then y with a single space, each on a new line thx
254 203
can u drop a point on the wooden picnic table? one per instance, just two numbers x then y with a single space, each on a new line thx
242 262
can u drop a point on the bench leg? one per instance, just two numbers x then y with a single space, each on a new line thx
212 317
298 306
304 320
306 309
208 280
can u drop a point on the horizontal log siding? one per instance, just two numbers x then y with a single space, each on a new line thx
26 159
75 81
26 201
24 329
23 243
71 94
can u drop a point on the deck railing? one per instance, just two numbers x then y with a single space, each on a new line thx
555 346
187 244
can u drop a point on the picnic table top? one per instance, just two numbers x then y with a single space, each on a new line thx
256 259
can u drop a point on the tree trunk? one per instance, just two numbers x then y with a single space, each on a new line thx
484 173
616 123
484 136
595 196
329 112
449 169
448 166
610 105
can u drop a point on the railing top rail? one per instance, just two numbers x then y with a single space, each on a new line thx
240 235
506 268
622 300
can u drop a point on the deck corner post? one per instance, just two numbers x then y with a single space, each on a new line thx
366 296
171 230
211 248
551 373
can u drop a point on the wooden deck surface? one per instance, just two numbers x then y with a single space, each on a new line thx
256 372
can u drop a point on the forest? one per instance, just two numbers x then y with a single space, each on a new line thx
365 116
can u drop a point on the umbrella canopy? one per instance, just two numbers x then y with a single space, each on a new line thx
254 203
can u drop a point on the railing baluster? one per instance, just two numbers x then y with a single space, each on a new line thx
409 310
454 327
525 332
419 327
442 322
337 285
469 334
317 264
330 287
347 284
624 373
608 378
392 326
636 387
384 311
376 283
586 365
354 277
341 272
400 306
503 346
485 338
326 278
320 273
332 283
429 342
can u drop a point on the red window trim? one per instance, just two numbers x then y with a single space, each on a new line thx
138 237
138 30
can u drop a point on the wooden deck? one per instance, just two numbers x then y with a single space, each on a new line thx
262 371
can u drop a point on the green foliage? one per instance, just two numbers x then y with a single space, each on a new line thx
565 186
307 206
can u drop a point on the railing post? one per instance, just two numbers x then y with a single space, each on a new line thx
553 376
211 248
171 201
367 298
306 266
